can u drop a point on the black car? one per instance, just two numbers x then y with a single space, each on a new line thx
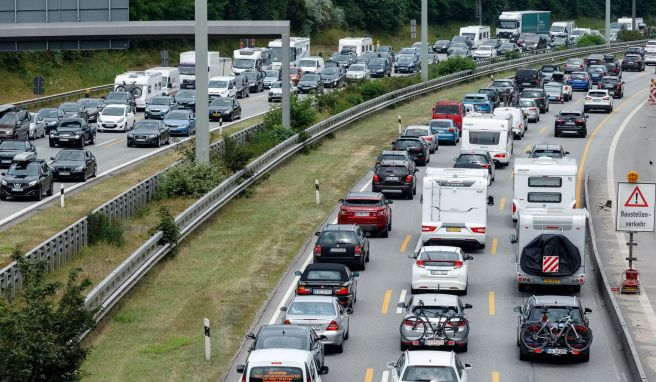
343 244
539 95
508 47
73 109
415 146
159 106
571 122
407 63
527 78
121 98
492 95
329 280
613 84
149 133
310 83
613 68
441 46
92 107
242 87
344 59
186 99
633 62
51 116
289 337
255 80
74 164
462 39
75 131
395 155
333 77
476 158
503 86
547 70
9 148
227 109
635 50
27 177
380 67
14 123
395 176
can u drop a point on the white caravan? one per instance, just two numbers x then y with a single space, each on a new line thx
187 68
489 132
454 207
250 59
150 84
357 45
550 247
626 22
476 33
170 79
299 47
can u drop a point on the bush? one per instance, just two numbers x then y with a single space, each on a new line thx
170 230
590 40
373 89
455 65
101 229
189 180
627 35
512 55
303 114
236 156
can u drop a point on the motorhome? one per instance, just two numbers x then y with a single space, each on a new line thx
170 79
489 132
250 59
299 47
454 207
562 28
476 33
544 182
626 23
357 45
150 85
550 247
187 68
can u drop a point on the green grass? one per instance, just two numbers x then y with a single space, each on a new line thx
222 273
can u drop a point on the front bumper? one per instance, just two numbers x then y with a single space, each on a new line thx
112 126
179 130
24 192
568 129
220 114
72 174
63 141
139 141
597 105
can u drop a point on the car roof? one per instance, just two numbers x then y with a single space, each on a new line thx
436 299
430 357
343 269
340 227
555 300
279 355
364 195
547 146
315 298
571 111
394 162
393 152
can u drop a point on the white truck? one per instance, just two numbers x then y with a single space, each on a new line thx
357 45
454 207
170 79
562 28
544 182
299 47
626 23
250 59
476 33
187 68
489 132
150 85
511 24
550 247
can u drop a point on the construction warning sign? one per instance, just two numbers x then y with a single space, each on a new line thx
635 206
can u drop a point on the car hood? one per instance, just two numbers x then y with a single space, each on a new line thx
67 163
178 122
22 179
50 119
145 130
405 63
9 153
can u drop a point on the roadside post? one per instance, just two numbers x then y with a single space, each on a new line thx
398 120
317 195
635 213
208 347
62 203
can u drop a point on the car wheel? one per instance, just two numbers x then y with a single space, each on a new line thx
576 288
523 356
50 189
129 145
409 195
83 178
339 349
389 226
363 265
39 195
383 234
159 143
346 336
31 136
3 196
584 133
404 347
95 169
366 259
93 139
81 142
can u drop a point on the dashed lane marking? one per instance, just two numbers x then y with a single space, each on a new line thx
404 245
490 301
386 301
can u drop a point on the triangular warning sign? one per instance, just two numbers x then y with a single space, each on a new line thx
636 199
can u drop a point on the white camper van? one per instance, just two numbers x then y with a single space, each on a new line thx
544 182
489 132
170 79
476 33
187 68
299 47
454 207
150 84
357 45
550 247
250 59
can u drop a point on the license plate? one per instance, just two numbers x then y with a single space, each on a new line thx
6 161
322 291
570 123
452 229
141 139
316 328
216 114
435 342
439 273
362 214
556 351
338 250
63 139
17 189
395 178
110 125
64 173
551 281
596 100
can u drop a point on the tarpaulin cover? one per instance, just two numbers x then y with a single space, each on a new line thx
550 245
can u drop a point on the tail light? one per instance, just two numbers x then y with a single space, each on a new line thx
533 108
317 249
358 250
514 208
456 322
343 212
560 120
287 322
428 228
606 98
500 155
581 66
599 86
243 376
485 165
457 264
580 121
420 263
451 130
303 290
619 86
376 178
341 291
332 326
381 212
477 229
588 98
409 322
429 138
408 178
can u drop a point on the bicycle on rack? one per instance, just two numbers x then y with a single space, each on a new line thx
131 88
550 337
434 326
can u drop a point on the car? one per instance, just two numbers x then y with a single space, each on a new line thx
310 83
27 177
37 127
650 46
369 210
534 314
395 176
547 150
115 117
437 308
547 70
527 78
394 155
326 279
561 79
536 42
598 99
441 46
385 49
289 337
508 47
255 80
333 77
415 146
530 108
92 107
271 76
51 116
571 122
477 158
428 365
519 120
407 63
121 98
159 106
343 59
14 123
149 133
574 65
222 108
281 365
580 81
485 52
480 102
562 42
613 84
445 130
614 68
77 164
596 72
555 92
638 50
9 148
342 243
650 58
440 269
324 314
186 99
275 93
540 97
295 74
410 50
456 51
424 132
76 131
462 40
181 122
492 95
358 72
73 109
242 87
594 59
504 87
380 67
633 62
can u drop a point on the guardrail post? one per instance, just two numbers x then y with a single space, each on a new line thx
62 202
208 344
317 195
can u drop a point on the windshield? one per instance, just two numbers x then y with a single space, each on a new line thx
578 76
243 63
146 125
407 143
113 111
159 101
506 24
471 158
312 308
553 87
221 102
338 237
430 373
526 103
485 47
368 202
276 85
609 81
8 118
577 32
429 255
474 99
20 169
271 73
307 63
547 153
357 68
502 84
407 51
406 59
557 28
392 170
177 115
340 57
531 94
447 109
330 72
275 373
555 313
279 339
218 84
187 69
70 124
443 123
70 155
484 137
12 145
310 77
185 94
48 113
251 76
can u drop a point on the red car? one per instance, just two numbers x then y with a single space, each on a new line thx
370 210
295 75
452 110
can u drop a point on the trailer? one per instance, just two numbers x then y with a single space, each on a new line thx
357 45
476 33
489 132
150 85
511 24
170 79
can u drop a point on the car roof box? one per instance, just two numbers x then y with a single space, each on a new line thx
25 157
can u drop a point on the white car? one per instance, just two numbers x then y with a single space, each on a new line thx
598 99
358 72
650 46
222 86
485 51
275 91
438 268
428 365
116 118
519 120
650 58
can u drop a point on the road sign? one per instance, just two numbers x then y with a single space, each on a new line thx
635 207
39 83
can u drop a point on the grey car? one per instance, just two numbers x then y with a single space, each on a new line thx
547 150
530 108
555 91
324 314
158 107
37 126
289 337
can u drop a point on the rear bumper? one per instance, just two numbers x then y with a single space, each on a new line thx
390 189
574 280
455 238
367 225
567 129
333 337
441 284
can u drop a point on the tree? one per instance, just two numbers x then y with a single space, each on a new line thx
40 327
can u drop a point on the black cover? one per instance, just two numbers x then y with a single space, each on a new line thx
550 245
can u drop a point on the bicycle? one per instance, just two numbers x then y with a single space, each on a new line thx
540 334
133 89
416 327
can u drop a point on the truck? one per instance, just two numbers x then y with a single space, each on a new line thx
562 28
476 33
454 207
252 59
549 247
299 47
187 68
511 24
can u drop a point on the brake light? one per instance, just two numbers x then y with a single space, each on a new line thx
358 250
606 98
410 322
457 264
376 178
579 121
332 326
560 120
303 290
408 178
514 208
420 263
533 108
287 322
317 249
581 66
499 155
588 98
343 212
342 291
618 86
485 165
429 138
451 130
381 212
477 229
428 228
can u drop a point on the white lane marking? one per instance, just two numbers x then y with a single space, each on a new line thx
106 142
385 376
366 185
401 299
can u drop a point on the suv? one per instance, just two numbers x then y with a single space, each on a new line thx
242 87
395 177
27 177
598 99
329 280
342 243
255 80
14 123
394 155
539 95
476 158
527 78
370 210
424 132
76 131
571 121
633 62
415 146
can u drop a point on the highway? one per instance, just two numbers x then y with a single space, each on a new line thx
374 334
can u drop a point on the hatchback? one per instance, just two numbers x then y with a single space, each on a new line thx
571 122
445 129
324 314
633 62
530 109
428 365
574 65
440 268
342 243
579 81
415 146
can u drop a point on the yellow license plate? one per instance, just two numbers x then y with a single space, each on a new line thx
452 229
551 281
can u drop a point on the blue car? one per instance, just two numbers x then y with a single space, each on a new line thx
482 102
579 81
181 122
445 130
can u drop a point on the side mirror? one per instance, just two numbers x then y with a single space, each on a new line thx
518 309
283 308
469 257
587 310
355 274
468 306
298 273
340 201
455 159
349 310
468 366
317 233
586 116
323 337
566 152
250 336
513 239
51 158
401 305
241 369
490 200
323 370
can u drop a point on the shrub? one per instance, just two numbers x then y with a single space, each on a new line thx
373 89
303 114
101 229
455 65
627 35
590 40
170 230
189 180
512 55
235 156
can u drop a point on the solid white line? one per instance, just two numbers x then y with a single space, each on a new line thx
401 299
385 376
288 294
366 185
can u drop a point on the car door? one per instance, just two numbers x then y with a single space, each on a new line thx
90 160
192 123
46 175
317 347
130 118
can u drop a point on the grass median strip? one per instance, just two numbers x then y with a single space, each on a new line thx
227 268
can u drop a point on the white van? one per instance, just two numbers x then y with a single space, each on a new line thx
357 45
150 84
281 365
454 207
311 64
170 79
476 33
489 132
222 86
519 122
544 182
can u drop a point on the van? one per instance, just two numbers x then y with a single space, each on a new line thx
518 120
150 84
357 45
489 132
170 79
14 122
222 86
562 28
527 78
288 365
312 64
452 110
476 34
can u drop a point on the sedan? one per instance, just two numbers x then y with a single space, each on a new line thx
222 108
116 117
92 107
540 97
333 77
310 83
72 109
343 244
159 106
37 127
614 86
439 268
181 122
289 337
579 81
370 210
598 99
186 99
329 280
9 148
149 133
441 46
77 164
571 122
596 72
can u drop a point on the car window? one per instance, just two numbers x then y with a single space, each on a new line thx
393 170
311 308
555 313
471 158
531 94
338 237
323 275
446 109
276 373
72 155
547 153
22 169
431 255
177 115
12 145
429 373
597 94
384 157
277 340
415 132
363 202
407 143
484 137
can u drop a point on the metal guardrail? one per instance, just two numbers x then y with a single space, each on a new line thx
54 97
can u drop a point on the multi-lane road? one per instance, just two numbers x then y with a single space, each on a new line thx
374 333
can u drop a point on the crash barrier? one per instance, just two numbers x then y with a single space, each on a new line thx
612 307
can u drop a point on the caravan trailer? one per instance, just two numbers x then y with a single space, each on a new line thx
170 79
150 84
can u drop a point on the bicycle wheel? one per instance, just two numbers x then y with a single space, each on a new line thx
120 88
413 328
455 328
136 92
534 336
578 337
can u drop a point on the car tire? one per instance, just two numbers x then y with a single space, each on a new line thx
585 357
50 189
83 178
389 226
404 347
464 348
524 356
366 259
339 349
415 291
521 287
3 197
414 192
129 145
556 134
384 234
81 145
362 265
93 139
409 196
346 336
39 195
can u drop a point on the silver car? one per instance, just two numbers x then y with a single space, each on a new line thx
37 126
530 109
324 314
